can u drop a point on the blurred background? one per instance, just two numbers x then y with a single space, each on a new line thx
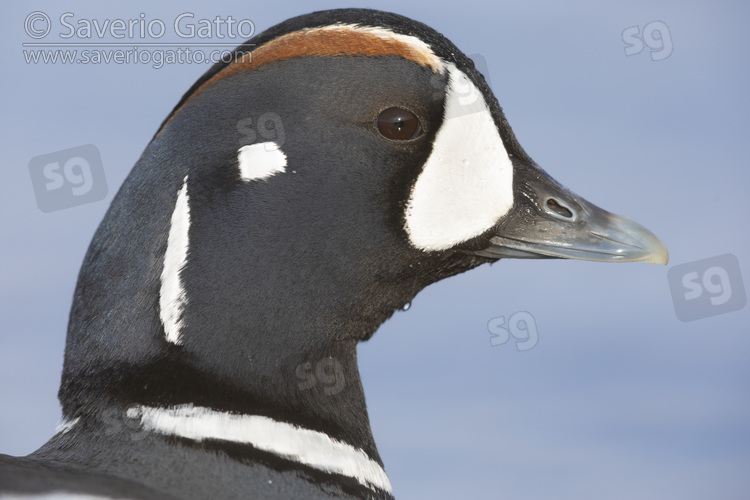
602 391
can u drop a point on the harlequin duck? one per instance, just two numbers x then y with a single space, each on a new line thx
293 200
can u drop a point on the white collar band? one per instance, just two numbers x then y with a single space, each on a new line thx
312 448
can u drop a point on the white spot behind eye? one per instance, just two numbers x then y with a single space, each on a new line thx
260 161
466 185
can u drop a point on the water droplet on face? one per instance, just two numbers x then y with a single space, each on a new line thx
406 307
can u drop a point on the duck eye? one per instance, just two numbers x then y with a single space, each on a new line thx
398 124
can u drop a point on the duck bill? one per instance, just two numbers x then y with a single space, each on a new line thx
548 221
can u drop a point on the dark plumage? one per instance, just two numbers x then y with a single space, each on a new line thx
288 270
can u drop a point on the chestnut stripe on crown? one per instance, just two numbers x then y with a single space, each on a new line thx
329 41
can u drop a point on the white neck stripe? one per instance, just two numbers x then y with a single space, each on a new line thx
172 297
312 448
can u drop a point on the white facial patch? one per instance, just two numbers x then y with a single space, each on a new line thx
312 448
260 161
466 185
172 297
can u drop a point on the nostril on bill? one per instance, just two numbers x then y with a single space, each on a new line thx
557 208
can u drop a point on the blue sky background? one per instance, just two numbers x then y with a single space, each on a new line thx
618 400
